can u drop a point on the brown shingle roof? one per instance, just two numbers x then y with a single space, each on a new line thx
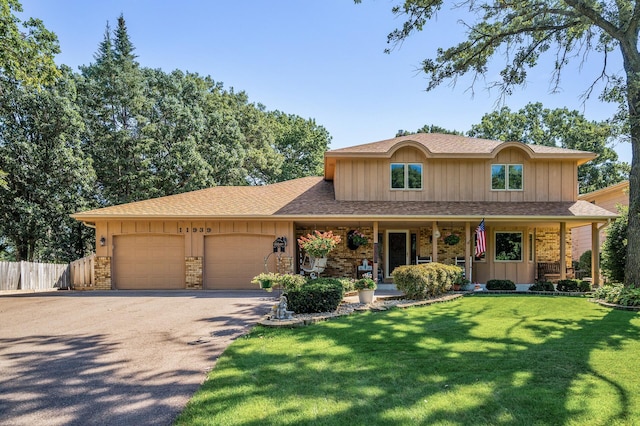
314 197
437 143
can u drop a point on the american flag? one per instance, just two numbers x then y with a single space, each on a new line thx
481 240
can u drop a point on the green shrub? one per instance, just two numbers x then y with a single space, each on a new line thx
618 294
614 249
542 286
291 282
347 284
567 285
585 262
584 286
426 280
319 295
501 285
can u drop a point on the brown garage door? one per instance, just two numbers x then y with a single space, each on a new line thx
145 262
231 261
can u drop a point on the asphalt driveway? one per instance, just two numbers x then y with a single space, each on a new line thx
113 358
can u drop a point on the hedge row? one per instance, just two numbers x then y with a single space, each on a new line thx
426 280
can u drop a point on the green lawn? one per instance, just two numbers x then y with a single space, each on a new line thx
489 360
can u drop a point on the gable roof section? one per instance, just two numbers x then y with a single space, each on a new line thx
219 201
437 145
313 197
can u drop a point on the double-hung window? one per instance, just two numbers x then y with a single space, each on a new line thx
506 177
406 176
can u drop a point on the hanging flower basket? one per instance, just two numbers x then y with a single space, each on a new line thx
452 239
356 239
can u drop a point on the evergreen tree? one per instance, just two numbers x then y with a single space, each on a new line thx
113 104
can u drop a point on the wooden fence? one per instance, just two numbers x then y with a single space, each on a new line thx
33 276
81 272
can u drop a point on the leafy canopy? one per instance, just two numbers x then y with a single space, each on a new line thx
522 31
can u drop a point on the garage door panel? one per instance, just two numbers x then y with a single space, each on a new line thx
149 262
231 261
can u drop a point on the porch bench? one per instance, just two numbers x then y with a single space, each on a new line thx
550 271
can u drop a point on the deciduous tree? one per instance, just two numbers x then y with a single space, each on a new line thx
563 128
524 30
49 177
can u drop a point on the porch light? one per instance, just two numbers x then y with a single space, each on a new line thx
103 240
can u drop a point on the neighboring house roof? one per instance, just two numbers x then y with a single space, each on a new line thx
313 197
437 145
619 187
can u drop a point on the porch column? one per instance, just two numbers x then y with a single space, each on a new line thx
595 254
467 250
375 251
563 250
434 241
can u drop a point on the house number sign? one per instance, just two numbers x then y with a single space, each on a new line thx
194 230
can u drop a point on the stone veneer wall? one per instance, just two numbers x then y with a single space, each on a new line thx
342 262
446 254
284 265
102 273
193 269
548 245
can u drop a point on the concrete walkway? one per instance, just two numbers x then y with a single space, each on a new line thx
114 358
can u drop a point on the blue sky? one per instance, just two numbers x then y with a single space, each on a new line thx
317 59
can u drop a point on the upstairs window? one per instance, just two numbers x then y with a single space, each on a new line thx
406 176
506 177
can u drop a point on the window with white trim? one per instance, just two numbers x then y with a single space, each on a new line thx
508 246
507 177
406 176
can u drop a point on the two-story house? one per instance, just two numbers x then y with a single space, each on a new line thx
408 195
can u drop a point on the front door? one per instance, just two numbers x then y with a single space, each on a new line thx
396 249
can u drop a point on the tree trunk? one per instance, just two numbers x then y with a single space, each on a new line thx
632 269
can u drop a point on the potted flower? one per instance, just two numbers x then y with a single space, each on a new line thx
356 239
266 280
366 286
319 244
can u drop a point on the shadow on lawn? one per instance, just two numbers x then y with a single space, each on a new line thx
446 356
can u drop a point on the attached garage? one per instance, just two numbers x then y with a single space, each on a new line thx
231 261
148 262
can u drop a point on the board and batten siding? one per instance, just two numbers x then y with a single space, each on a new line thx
193 232
455 179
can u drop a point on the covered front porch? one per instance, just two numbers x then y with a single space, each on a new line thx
515 249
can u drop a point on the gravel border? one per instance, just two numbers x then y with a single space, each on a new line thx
381 303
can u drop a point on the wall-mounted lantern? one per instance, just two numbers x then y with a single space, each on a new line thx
103 241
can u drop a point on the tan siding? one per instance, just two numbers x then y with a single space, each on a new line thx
569 191
128 227
455 180
142 226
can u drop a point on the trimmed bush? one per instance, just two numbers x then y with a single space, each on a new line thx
568 285
584 286
319 295
542 286
501 285
425 280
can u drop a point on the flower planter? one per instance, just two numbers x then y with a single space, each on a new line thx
266 285
366 296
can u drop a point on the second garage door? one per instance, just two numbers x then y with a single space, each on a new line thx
231 261
148 262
